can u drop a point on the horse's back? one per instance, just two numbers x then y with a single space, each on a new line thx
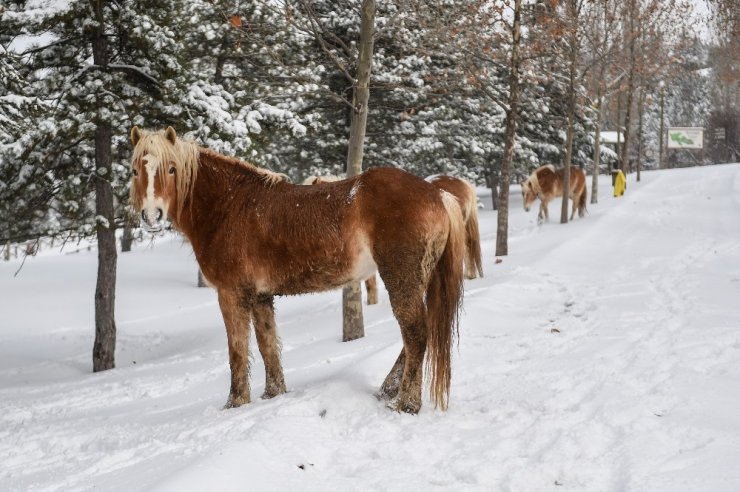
460 189
457 186
395 204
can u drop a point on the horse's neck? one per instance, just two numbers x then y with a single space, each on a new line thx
218 184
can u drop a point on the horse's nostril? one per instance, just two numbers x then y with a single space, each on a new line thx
159 214
143 216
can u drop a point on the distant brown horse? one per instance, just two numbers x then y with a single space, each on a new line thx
256 235
546 183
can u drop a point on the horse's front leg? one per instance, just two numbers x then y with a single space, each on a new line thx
575 203
236 310
542 216
269 345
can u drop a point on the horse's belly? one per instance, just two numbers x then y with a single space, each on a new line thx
364 265
317 273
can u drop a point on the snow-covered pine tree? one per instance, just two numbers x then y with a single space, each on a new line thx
98 68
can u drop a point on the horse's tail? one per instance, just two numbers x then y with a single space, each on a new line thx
443 301
582 200
472 239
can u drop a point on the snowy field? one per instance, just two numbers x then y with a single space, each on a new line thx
599 356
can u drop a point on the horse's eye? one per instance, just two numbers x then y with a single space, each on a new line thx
172 170
134 172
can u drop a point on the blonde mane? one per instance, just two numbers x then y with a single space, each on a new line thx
534 182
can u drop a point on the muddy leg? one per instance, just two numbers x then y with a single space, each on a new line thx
408 307
389 388
236 312
414 342
269 346
371 285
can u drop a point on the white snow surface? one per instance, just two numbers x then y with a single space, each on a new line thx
602 355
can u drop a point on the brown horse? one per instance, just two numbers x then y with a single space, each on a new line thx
546 183
256 235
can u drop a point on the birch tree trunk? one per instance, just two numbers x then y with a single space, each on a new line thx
512 115
353 326
105 290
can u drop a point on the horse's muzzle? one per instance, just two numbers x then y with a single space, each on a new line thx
152 224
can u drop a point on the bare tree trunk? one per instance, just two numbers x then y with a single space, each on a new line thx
640 111
127 238
597 150
105 290
630 86
352 295
573 53
512 115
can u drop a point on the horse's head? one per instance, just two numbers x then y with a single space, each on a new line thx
528 195
159 179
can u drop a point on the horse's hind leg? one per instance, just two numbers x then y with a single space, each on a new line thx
371 285
235 308
269 346
406 286
410 313
575 207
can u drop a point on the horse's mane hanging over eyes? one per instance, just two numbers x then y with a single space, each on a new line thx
183 154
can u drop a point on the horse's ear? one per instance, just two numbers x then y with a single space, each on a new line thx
170 135
135 135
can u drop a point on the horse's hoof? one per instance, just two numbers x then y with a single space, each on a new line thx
272 392
383 395
387 393
410 407
236 401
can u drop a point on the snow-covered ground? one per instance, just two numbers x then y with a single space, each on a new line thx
600 355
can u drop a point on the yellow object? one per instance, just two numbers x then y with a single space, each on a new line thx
620 184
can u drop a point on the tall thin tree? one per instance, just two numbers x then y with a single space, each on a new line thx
512 115
353 326
105 290
573 46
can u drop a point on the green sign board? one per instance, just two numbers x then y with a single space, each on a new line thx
685 138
